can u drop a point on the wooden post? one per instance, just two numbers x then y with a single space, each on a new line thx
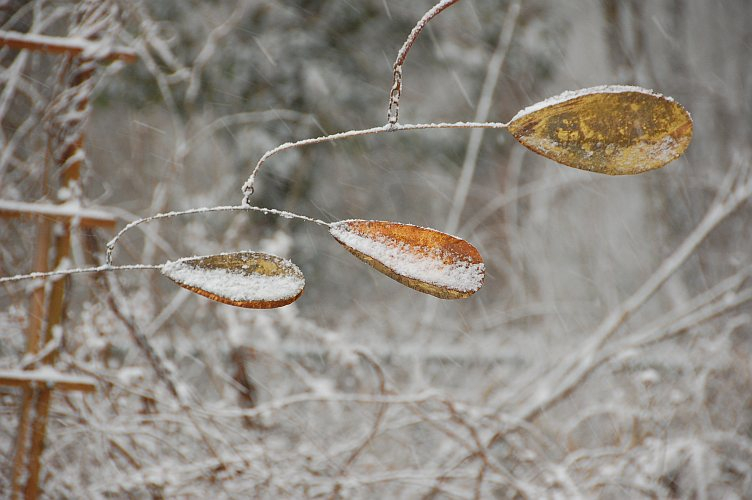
37 395
47 310
37 386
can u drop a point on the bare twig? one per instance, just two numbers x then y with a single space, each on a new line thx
392 114
379 415
566 380
248 186
157 362
67 45
247 208
481 115
210 47
68 272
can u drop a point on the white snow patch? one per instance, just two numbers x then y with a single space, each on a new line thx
239 286
573 94
130 375
403 259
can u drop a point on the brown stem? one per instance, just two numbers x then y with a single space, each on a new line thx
396 89
433 12
60 45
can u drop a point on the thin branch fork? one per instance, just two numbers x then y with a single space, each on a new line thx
67 46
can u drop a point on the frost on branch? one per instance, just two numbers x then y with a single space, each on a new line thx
615 130
245 279
424 259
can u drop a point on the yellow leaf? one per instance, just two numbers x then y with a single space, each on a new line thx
615 130
245 279
424 259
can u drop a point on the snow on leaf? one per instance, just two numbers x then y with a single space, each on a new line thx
245 279
615 130
424 259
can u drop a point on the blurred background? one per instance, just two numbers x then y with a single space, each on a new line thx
608 355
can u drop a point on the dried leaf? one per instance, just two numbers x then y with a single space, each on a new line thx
615 130
424 259
245 279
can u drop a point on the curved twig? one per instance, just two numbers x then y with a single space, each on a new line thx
392 113
392 124
396 127
233 208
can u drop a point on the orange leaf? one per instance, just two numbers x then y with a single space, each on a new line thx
424 259
615 130
245 279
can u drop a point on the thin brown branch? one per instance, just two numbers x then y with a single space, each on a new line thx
66 46
47 378
396 89
380 414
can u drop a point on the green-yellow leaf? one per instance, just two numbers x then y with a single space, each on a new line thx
245 279
424 259
615 130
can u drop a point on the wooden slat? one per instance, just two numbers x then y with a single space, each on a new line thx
87 217
65 45
47 377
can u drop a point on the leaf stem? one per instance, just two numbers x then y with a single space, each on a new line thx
392 114
233 208
389 127
107 266
68 272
